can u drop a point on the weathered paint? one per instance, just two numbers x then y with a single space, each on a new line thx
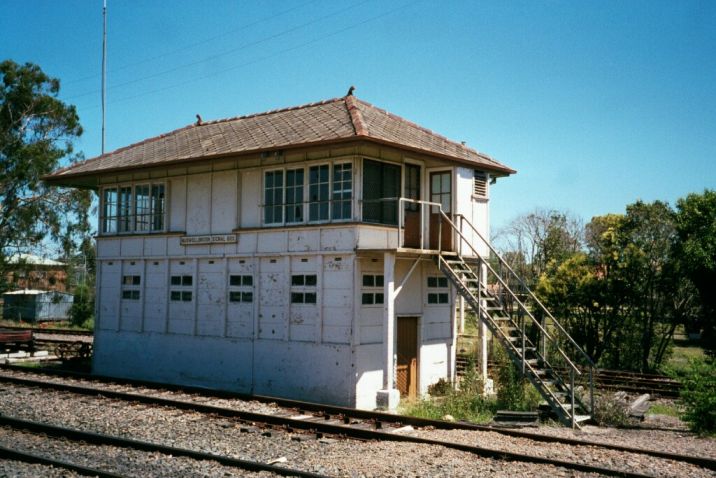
330 351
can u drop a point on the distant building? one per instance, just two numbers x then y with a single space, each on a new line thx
36 305
288 253
27 271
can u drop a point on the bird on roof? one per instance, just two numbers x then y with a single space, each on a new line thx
198 120
350 90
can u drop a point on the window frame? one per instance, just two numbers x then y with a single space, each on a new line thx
241 289
383 212
131 287
122 217
310 202
304 207
343 200
281 206
372 291
184 291
303 289
438 290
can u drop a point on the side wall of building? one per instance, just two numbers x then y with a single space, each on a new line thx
188 314
475 209
436 336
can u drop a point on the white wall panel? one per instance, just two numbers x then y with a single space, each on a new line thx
107 247
251 197
304 240
132 246
338 239
155 246
225 202
177 204
110 282
199 204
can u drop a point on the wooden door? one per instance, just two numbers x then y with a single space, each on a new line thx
406 377
441 192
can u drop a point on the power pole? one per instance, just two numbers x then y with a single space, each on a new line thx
104 64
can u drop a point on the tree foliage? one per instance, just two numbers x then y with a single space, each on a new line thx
699 396
696 247
534 240
623 297
36 135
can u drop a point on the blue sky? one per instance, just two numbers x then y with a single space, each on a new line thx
596 104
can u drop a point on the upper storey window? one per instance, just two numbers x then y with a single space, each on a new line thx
318 193
381 190
133 208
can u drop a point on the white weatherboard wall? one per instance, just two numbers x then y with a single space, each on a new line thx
268 346
330 351
474 208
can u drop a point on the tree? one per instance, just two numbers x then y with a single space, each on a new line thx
624 298
696 248
535 240
36 134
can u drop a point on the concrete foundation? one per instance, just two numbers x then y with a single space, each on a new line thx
387 399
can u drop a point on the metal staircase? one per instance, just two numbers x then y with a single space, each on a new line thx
534 340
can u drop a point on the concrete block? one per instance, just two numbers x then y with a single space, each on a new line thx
387 399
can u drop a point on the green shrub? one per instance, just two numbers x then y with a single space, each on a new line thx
465 403
440 388
698 395
514 392
82 310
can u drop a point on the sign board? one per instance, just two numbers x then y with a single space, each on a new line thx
213 239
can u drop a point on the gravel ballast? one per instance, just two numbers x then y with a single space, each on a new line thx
338 457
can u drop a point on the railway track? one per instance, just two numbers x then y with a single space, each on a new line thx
34 458
614 380
126 443
322 420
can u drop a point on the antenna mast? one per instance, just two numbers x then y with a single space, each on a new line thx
104 64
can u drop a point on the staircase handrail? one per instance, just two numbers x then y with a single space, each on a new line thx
514 296
516 276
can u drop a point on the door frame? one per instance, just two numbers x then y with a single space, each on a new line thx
428 193
419 340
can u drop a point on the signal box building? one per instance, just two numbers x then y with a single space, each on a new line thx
287 253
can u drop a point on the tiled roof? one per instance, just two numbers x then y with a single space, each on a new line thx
327 121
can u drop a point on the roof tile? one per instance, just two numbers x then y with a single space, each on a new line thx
330 120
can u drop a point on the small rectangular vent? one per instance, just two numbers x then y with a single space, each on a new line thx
480 184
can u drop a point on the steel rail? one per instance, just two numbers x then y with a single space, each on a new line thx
323 425
111 440
366 414
9 454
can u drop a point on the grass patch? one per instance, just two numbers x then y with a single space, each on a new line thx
466 403
474 409
682 357
665 409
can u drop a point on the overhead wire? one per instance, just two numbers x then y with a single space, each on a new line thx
191 45
267 57
223 53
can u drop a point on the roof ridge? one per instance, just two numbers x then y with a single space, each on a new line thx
421 128
356 116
